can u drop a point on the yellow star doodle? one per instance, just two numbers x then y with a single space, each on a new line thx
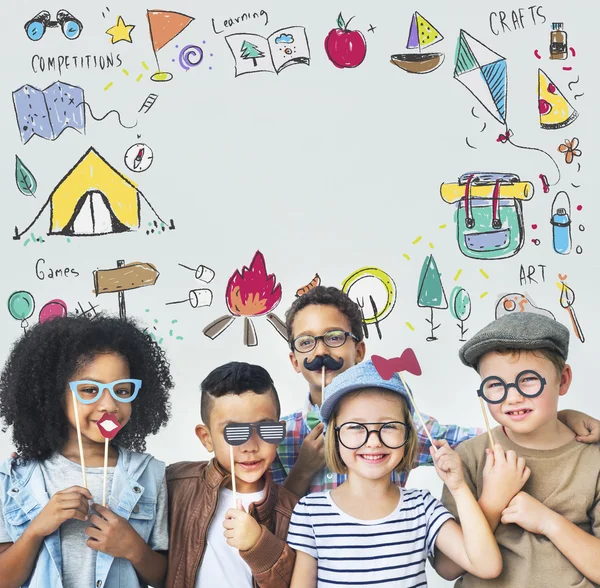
121 31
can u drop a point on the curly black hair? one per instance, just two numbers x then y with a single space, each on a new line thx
41 363
329 296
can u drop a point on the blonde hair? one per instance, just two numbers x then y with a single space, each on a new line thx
333 458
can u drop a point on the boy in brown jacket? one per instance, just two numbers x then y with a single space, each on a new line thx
213 540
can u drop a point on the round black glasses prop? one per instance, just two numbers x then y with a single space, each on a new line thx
528 383
391 434
269 431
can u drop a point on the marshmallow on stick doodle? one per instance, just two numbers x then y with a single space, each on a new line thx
108 426
396 365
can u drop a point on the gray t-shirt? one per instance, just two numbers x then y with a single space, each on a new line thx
78 560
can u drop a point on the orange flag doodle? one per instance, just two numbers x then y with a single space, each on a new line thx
164 27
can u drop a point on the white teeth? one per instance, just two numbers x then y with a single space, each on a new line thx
518 412
372 457
109 426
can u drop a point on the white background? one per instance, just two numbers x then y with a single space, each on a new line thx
321 169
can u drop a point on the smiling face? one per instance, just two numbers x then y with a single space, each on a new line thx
104 368
518 413
316 320
373 460
253 458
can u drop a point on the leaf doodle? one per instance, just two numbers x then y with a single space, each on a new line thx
26 182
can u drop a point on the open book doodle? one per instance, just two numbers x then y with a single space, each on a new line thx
47 113
254 53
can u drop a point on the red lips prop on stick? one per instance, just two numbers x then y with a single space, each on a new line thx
396 365
108 426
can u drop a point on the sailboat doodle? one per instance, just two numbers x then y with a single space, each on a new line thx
421 34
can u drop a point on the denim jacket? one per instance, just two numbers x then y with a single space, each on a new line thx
136 483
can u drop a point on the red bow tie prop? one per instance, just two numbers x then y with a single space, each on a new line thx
407 362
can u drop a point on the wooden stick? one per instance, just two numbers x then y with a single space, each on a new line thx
487 422
81 457
105 471
322 385
412 399
233 475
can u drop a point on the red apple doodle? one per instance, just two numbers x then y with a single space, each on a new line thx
109 426
345 48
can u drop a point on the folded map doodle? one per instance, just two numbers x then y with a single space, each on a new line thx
47 113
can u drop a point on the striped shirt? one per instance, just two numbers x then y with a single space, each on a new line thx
300 423
351 552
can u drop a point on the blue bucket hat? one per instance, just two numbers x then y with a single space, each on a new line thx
362 375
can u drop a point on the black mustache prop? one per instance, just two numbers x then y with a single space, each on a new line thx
324 360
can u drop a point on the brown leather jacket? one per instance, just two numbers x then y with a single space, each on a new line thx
193 495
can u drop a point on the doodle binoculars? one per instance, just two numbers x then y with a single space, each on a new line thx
36 27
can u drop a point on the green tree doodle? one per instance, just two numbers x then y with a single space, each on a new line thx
431 292
250 51
460 308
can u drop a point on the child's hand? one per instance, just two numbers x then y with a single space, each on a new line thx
528 513
112 534
586 428
241 530
71 503
504 474
448 465
311 457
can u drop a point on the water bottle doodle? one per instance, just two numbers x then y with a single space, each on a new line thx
561 224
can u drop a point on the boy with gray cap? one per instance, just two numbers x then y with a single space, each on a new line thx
541 497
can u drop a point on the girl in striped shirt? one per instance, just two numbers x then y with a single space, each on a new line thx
368 531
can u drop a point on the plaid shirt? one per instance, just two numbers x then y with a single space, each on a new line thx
297 429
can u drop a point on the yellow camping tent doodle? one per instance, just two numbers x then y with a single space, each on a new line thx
93 198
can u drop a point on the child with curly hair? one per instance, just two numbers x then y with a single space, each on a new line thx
49 536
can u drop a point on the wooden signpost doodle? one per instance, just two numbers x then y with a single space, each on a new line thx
124 277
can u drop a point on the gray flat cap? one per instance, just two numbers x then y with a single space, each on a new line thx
519 330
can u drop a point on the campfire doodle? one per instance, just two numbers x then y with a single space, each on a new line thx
250 293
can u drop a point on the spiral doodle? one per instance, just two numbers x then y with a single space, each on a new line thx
190 56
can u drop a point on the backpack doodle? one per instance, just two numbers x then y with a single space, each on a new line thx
489 213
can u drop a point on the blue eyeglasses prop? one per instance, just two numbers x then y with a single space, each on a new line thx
36 27
88 391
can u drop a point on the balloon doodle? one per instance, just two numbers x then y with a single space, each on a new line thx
21 306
